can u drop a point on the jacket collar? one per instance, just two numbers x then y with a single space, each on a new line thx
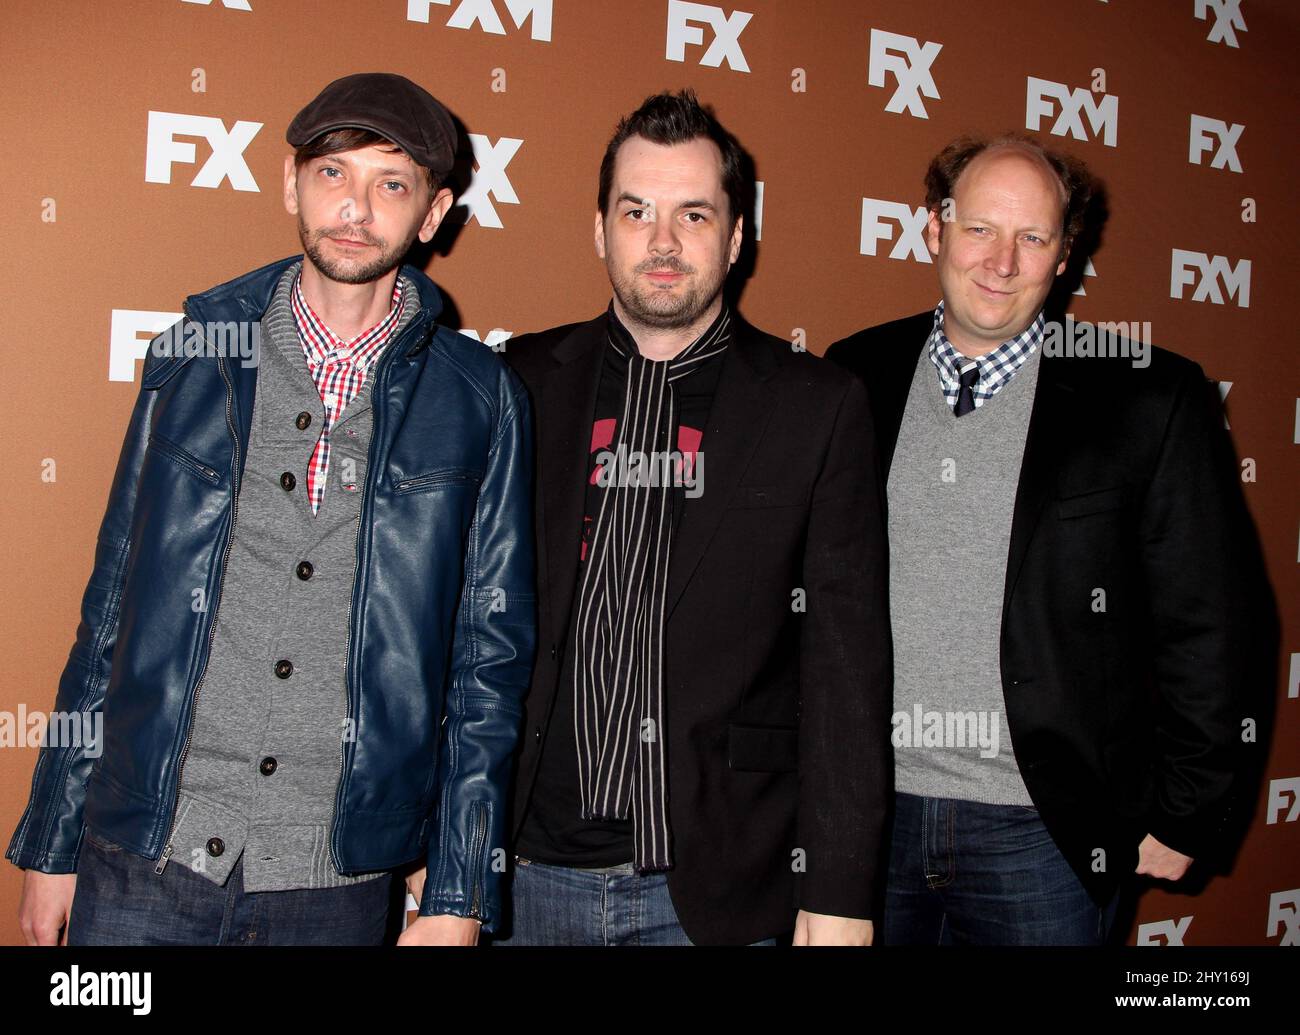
247 297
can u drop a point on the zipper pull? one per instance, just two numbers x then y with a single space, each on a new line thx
162 859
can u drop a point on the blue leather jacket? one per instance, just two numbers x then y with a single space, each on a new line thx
442 619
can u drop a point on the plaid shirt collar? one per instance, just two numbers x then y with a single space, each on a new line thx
324 348
338 369
996 368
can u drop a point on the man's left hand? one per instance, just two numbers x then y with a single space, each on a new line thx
1155 860
820 929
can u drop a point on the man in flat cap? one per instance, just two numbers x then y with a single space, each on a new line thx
310 621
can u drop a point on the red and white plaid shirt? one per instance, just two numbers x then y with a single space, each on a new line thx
339 369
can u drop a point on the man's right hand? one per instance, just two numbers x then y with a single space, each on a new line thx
45 906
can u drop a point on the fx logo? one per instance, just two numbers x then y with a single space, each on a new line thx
125 345
490 179
227 158
911 223
495 340
1284 916
1204 133
1283 794
1102 115
910 62
1163 932
230 5
1227 18
1212 269
726 34
468 13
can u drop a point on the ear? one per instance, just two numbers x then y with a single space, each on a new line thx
737 237
933 233
438 207
290 186
1065 257
600 235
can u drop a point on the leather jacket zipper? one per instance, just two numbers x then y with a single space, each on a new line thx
212 625
477 843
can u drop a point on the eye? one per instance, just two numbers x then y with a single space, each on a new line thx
696 217
330 169
1034 238
981 230
635 214
396 183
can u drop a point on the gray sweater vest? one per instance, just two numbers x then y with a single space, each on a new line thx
266 747
952 488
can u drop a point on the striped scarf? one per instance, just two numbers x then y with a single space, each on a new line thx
618 678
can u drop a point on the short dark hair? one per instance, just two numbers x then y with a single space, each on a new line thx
1072 174
349 138
678 118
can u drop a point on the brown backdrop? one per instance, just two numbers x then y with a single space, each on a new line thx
88 238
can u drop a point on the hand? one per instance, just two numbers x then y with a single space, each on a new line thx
1155 860
415 884
441 930
820 929
45 906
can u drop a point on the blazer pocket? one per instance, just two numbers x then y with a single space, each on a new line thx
763 749
183 458
1096 501
437 480
748 497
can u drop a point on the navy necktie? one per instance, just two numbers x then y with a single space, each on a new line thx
965 394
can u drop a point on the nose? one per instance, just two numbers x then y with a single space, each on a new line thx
664 239
1003 259
356 209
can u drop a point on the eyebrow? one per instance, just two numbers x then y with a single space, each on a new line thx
648 203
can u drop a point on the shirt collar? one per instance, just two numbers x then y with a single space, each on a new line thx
995 368
323 346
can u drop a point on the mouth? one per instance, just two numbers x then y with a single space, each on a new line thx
992 293
664 276
348 242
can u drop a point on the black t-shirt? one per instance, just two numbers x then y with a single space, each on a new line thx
553 831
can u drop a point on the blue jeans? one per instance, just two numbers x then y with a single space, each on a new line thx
121 901
610 905
961 872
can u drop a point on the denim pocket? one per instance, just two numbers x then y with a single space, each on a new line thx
101 842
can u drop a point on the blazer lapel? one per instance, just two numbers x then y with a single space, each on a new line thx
569 402
1050 421
738 416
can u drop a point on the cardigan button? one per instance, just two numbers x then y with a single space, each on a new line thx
288 481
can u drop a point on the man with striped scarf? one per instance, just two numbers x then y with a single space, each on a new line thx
705 755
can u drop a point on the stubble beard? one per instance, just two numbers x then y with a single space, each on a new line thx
355 271
665 309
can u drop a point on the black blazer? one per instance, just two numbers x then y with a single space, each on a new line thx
779 759
1128 721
